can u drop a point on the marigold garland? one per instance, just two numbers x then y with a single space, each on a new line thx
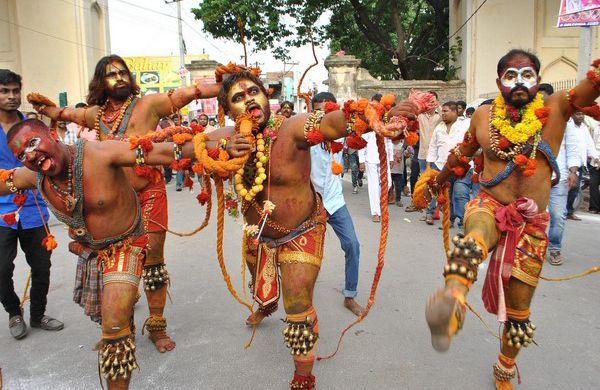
529 125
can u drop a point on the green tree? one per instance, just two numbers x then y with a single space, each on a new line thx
394 38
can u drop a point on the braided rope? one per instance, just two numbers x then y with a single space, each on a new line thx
571 277
207 185
385 220
446 220
220 230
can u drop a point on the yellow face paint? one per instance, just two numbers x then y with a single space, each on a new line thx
116 74
245 95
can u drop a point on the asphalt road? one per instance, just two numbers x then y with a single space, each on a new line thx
389 350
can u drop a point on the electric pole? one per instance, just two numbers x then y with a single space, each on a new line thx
182 72
585 52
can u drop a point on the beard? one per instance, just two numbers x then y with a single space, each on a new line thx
119 93
518 103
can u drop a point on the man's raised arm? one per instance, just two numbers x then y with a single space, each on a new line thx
82 116
582 96
12 180
163 104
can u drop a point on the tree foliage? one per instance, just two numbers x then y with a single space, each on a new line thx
394 38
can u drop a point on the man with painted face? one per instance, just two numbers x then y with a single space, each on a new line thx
116 111
27 230
519 137
293 234
104 220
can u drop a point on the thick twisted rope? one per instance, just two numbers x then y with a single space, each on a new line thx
385 220
207 186
220 230
446 220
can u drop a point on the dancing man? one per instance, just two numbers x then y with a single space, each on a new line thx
520 137
277 193
86 188
115 112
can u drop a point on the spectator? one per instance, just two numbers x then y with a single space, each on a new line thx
329 186
446 136
287 109
397 172
427 123
587 151
203 121
461 106
568 161
213 122
546 90
29 230
376 98
368 158
469 112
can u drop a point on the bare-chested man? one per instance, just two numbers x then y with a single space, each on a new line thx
292 239
115 112
519 138
86 188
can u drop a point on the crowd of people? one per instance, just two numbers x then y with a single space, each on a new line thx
116 208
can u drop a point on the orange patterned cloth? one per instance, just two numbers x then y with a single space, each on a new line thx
153 202
123 261
304 247
521 249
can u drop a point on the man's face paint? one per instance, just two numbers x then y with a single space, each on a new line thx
117 80
518 81
36 149
246 96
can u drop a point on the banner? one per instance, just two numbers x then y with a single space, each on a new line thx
575 13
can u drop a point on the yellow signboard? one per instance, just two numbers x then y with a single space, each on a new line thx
158 74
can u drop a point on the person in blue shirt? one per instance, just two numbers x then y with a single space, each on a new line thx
329 186
28 231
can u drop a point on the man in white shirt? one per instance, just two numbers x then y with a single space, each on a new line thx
586 151
568 161
446 135
368 158
594 168
329 186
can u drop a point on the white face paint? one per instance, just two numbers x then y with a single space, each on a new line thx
526 77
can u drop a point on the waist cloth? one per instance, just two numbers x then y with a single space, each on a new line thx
153 202
520 251
121 262
302 246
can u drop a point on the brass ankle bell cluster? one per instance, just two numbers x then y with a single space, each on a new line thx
155 277
299 337
519 333
502 374
118 360
155 323
464 259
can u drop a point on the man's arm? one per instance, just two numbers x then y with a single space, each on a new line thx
583 95
82 116
163 104
23 179
120 154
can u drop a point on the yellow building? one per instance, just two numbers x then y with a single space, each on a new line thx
53 44
501 25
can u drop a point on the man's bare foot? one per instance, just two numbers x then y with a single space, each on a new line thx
163 344
445 315
350 304
255 318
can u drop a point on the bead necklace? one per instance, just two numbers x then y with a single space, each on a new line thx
67 195
115 127
512 151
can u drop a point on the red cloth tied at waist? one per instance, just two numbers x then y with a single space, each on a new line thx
518 218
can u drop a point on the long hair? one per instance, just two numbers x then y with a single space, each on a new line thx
97 93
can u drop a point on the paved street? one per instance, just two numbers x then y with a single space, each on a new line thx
389 350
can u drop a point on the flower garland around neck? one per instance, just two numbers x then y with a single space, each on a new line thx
12 218
115 127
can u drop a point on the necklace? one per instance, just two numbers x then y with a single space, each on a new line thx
117 122
67 195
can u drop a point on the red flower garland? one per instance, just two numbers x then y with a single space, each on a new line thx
355 142
335 147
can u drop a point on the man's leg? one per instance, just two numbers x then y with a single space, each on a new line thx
117 350
445 308
594 189
156 281
301 334
341 222
372 171
179 177
38 259
353 160
422 165
572 196
8 297
557 206
461 194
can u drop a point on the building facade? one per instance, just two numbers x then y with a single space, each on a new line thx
54 45
500 25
